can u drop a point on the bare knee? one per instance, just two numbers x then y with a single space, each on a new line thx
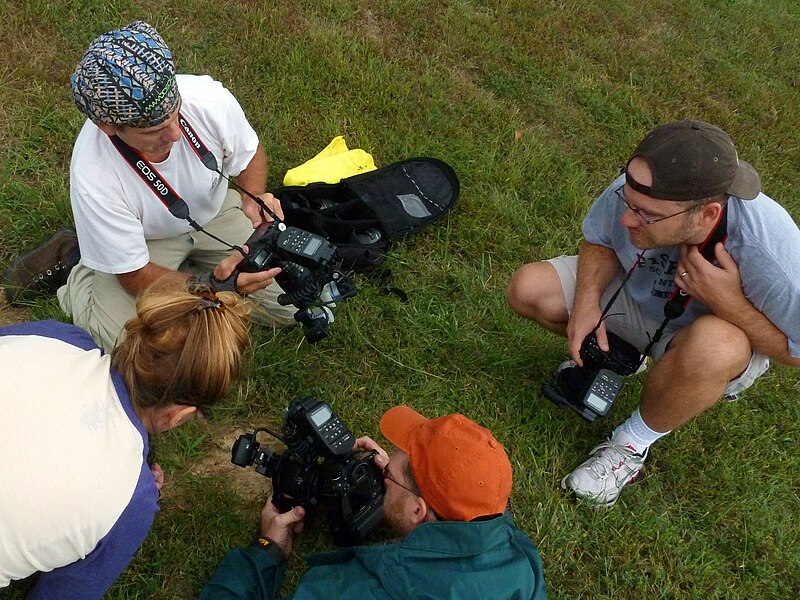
713 346
535 292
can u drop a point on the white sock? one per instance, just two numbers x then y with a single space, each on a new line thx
634 432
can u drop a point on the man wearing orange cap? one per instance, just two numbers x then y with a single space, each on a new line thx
447 489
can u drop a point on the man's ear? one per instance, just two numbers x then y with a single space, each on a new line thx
419 511
709 213
109 130
172 416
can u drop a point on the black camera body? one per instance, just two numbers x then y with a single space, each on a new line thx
590 390
307 267
319 470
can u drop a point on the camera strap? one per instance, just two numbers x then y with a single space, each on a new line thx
153 179
204 154
158 185
637 262
679 299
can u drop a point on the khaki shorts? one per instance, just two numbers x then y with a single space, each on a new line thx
98 303
626 320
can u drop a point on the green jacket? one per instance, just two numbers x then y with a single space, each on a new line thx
448 560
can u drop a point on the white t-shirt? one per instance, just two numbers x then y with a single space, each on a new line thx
115 211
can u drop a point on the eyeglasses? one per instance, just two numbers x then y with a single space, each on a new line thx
643 216
388 475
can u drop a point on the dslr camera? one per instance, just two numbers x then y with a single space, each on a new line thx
307 273
319 470
590 390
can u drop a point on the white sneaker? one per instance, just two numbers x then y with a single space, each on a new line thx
601 478
565 365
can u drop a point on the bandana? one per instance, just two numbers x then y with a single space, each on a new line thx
127 77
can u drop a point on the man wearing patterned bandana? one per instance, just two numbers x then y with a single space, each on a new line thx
127 87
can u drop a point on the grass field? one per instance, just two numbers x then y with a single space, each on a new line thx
536 105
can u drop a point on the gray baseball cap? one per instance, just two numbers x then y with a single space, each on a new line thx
692 160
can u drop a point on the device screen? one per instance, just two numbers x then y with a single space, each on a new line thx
312 245
596 403
321 415
261 258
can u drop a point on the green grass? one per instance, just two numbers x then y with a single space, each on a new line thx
536 105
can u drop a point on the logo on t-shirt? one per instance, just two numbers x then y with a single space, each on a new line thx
663 269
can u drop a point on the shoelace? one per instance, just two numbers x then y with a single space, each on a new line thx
609 457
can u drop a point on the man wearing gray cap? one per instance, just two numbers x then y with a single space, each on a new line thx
682 244
137 173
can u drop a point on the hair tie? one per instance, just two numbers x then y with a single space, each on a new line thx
206 303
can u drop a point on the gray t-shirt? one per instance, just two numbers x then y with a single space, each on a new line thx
762 239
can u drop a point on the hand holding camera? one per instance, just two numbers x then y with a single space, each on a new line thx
226 277
585 319
305 259
367 443
257 214
306 272
282 527
319 470
591 388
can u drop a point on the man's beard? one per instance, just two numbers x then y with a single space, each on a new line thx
393 516
643 241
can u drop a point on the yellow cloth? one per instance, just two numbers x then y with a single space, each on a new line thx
333 163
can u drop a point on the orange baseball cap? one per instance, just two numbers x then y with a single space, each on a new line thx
460 468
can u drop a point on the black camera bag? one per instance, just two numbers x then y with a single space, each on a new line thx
362 215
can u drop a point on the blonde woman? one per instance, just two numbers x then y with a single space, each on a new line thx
78 496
